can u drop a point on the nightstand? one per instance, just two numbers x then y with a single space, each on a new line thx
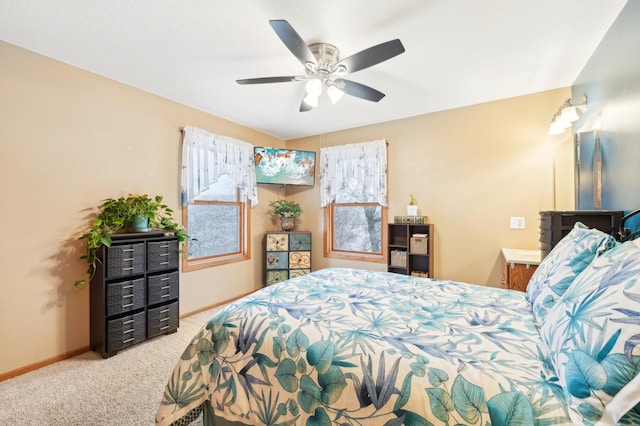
519 266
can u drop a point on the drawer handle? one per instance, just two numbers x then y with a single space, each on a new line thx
128 259
126 296
128 269
164 254
127 286
165 278
128 340
127 331
127 306
127 322
164 287
164 328
164 295
127 249
164 311
164 246
164 319
162 263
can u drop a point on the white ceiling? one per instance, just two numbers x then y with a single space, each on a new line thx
458 52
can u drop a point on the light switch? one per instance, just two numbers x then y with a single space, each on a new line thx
516 222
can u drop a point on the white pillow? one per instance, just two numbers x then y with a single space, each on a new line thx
562 265
593 337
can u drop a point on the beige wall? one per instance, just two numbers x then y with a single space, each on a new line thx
70 138
469 169
564 174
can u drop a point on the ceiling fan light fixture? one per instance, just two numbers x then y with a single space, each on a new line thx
340 70
311 100
314 87
334 93
324 67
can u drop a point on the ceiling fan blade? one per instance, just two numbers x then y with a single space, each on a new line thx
360 90
372 56
263 80
293 41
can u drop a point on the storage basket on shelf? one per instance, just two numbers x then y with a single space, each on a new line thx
420 274
399 258
418 245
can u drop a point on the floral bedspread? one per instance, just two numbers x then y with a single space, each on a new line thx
353 347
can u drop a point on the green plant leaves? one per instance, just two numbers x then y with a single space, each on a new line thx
437 376
319 418
296 343
583 373
332 383
309 396
320 355
115 214
510 408
441 403
468 399
286 375
620 371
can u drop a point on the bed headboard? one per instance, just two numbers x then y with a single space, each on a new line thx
627 223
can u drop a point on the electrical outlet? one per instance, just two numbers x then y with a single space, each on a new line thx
516 222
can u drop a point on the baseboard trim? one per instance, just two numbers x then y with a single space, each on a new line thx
215 305
23 370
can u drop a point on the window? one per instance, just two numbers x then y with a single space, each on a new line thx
218 184
353 184
218 222
355 231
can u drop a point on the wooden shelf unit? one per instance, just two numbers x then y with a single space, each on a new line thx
417 252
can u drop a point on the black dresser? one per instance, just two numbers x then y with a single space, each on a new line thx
134 291
556 224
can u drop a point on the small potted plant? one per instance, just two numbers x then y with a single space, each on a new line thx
288 211
412 208
135 213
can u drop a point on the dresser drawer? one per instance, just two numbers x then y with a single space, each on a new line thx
126 331
299 260
162 319
162 255
300 242
125 296
125 259
162 288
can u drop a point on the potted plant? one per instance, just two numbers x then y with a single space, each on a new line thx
288 211
135 213
412 208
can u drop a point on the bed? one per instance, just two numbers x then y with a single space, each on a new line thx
354 347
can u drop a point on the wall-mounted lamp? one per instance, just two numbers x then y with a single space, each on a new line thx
566 115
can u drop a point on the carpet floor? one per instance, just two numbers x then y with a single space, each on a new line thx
124 390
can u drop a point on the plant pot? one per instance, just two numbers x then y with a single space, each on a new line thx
412 210
139 224
287 223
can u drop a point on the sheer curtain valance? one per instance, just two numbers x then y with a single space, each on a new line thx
207 156
354 173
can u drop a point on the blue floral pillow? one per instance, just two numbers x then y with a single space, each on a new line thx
593 337
557 271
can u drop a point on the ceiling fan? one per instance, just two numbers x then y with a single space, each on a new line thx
324 68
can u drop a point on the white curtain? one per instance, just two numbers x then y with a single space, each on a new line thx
207 156
354 173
